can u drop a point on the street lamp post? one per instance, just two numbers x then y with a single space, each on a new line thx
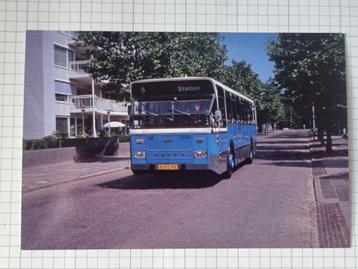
93 111
83 121
313 121
109 120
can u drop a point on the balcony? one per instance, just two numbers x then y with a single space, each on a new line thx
79 73
84 103
79 69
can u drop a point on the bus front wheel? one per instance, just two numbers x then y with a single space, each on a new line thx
138 172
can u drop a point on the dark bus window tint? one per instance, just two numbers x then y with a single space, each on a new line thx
234 107
242 110
248 112
228 106
222 105
238 108
214 107
253 116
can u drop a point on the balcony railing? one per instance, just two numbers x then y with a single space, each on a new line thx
79 67
81 103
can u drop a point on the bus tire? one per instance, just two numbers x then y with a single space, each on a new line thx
251 155
138 172
230 166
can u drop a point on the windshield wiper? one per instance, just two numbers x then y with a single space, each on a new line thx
180 111
151 113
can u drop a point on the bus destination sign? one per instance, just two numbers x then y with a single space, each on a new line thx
150 90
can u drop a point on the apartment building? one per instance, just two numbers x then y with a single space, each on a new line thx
60 95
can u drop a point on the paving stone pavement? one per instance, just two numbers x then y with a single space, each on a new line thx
332 228
330 174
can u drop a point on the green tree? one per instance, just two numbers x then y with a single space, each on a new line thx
240 77
121 57
312 69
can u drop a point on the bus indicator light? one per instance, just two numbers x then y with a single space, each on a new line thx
200 154
139 154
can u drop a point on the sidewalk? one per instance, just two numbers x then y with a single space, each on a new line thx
330 174
43 176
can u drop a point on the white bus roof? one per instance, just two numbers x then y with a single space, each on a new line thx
226 88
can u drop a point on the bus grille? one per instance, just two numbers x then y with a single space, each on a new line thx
169 154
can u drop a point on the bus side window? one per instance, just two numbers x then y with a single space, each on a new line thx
228 106
212 113
234 108
238 104
252 112
222 105
242 111
248 113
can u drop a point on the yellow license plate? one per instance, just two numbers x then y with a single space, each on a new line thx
168 167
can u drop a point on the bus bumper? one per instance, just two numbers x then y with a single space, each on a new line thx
182 167
215 163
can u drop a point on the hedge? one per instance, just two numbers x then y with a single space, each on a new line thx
59 142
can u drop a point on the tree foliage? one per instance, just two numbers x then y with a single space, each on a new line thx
240 76
311 67
121 57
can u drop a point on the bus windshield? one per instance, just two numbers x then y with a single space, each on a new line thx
171 114
185 107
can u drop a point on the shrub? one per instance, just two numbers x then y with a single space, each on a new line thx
58 141
123 138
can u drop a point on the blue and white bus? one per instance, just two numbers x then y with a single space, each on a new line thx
190 123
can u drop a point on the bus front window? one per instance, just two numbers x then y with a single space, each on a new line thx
171 114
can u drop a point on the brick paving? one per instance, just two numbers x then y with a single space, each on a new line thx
318 168
332 193
327 189
332 229
341 187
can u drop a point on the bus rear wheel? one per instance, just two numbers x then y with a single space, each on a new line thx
251 155
229 166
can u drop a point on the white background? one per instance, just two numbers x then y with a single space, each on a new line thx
159 15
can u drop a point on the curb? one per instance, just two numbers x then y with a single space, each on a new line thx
77 179
103 158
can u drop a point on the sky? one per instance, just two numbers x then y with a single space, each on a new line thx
250 47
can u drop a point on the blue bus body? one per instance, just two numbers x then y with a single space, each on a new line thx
214 148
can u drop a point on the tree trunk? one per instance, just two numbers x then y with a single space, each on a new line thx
329 141
320 136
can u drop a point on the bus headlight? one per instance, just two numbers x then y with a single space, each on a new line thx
200 154
139 154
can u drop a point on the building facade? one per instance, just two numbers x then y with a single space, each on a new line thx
60 95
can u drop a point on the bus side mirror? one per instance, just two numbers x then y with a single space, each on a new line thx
218 115
129 109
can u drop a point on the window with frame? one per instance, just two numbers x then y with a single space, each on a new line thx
61 125
248 112
63 87
234 108
63 56
242 115
228 106
61 97
221 96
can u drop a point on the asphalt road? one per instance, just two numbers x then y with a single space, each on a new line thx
269 203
